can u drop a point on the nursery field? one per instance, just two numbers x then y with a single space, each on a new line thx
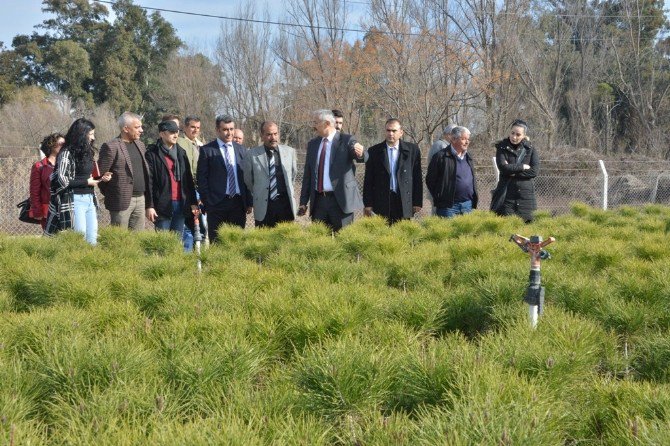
415 334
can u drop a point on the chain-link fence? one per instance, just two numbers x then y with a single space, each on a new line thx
560 183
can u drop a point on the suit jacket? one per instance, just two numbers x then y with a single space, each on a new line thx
114 158
342 172
192 152
257 177
377 182
212 176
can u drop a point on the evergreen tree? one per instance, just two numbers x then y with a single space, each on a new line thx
128 55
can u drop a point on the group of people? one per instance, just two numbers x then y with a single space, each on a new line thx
178 177
451 176
62 184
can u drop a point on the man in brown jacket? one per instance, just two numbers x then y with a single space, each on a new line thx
128 194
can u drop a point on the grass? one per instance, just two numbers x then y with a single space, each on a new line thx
414 334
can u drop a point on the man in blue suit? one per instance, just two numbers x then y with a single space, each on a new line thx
221 179
329 180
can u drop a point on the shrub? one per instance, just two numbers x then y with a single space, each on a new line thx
651 358
410 334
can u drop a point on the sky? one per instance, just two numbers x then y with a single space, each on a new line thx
200 33
20 17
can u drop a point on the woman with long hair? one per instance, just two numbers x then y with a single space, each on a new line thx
73 204
519 164
40 175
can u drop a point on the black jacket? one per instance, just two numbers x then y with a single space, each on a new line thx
212 176
441 178
161 190
520 182
376 184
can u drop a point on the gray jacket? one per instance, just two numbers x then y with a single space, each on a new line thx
257 177
342 173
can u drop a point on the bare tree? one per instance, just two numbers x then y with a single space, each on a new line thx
324 69
423 75
542 69
191 86
31 115
248 70
642 74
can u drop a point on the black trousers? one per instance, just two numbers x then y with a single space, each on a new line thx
278 211
326 209
395 208
232 211
522 207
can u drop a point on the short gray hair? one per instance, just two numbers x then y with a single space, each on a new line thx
325 115
447 130
127 118
458 131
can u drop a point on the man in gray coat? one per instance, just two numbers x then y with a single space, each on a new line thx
329 180
269 172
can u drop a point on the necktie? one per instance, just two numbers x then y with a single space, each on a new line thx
322 162
230 171
273 176
392 167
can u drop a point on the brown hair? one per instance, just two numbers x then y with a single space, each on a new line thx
49 142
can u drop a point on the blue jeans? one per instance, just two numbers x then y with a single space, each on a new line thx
457 209
174 223
86 217
187 236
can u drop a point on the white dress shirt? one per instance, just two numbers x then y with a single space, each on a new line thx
228 153
393 153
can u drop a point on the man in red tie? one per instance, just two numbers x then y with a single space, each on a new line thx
329 180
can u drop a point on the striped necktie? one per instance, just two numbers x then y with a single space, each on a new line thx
273 176
230 171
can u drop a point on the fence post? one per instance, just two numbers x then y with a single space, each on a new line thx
654 192
495 169
605 183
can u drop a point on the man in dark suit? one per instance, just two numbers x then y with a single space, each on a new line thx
392 186
128 193
329 179
220 179
238 137
339 119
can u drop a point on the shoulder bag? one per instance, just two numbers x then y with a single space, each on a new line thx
24 212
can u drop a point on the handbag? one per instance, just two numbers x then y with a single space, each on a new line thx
24 212
499 194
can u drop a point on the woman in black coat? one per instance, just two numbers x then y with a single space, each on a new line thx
517 173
